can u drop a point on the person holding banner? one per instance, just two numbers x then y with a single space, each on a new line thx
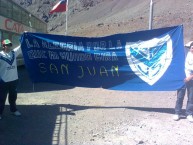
189 86
8 76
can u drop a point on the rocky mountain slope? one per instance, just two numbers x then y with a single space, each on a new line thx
106 17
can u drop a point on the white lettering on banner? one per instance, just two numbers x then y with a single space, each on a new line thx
36 54
53 55
69 56
73 50
31 45
75 46
106 56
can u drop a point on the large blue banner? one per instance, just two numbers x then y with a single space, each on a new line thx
151 60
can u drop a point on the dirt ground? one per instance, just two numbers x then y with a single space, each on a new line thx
62 115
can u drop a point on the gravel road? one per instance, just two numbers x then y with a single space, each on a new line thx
62 115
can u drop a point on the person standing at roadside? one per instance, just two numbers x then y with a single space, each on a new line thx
188 86
8 76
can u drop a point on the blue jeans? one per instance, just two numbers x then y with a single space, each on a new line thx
180 97
189 106
11 89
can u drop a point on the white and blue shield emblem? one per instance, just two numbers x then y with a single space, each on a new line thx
150 59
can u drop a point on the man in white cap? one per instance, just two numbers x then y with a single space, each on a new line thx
189 86
8 76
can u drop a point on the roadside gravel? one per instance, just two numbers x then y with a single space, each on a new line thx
62 115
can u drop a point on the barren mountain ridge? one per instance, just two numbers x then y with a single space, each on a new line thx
105 17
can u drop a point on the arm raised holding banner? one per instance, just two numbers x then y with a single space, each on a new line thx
8 76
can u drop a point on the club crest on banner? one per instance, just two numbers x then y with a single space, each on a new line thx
150 59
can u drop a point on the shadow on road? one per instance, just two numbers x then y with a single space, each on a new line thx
73 108
47 124
38 125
